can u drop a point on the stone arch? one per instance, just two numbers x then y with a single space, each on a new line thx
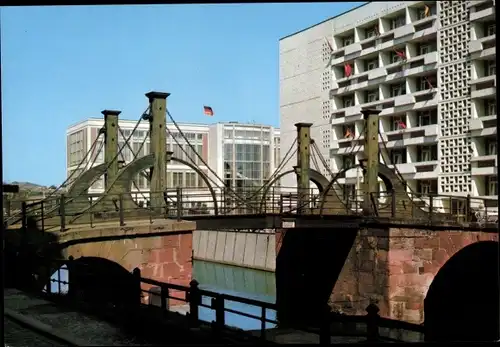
462 303
316 177
125 176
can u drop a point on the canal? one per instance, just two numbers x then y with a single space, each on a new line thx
237 281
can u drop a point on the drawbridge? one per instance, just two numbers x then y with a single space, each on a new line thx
71 204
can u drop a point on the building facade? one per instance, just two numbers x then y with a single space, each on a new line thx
238 155
429 66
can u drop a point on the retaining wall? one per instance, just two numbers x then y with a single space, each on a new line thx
244 249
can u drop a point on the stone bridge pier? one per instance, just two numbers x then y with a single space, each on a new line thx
449 279
162 250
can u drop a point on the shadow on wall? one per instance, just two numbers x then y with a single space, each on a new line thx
462 303
102 282
308 265
23 248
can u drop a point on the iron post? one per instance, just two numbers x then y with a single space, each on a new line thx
303 164
110 145
158 134
371 153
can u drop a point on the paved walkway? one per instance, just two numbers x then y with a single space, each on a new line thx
80 326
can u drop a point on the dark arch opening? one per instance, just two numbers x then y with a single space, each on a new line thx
462 303
102 283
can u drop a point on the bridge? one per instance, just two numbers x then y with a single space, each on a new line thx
344 248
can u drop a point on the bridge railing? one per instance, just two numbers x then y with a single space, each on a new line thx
48 272
62 211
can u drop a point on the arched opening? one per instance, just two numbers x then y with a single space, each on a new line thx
462 303
97 282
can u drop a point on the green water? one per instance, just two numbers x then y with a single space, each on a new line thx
237 281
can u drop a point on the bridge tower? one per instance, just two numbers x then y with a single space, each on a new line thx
110 146
303 165
158 134
371 158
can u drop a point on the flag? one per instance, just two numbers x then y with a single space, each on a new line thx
329 45
401 124
208 111
427 11
400 54
347 133
347 70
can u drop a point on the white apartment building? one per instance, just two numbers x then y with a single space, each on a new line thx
429 66
252 154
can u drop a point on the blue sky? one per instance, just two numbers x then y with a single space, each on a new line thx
61 65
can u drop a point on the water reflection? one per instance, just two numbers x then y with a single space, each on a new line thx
237 281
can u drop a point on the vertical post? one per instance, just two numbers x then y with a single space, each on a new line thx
194 302
7 206
393 203
122 213
62 212
303 165
467 208
179 203
371 153
164 298
431 207
110 145
24 212
72 286
372 321
158 147
136 273
42 212
218 306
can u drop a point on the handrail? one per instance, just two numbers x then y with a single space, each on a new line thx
193 295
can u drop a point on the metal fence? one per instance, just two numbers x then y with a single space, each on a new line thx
370 326
183 203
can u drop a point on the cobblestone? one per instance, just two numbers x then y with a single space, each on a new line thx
77 324
15 335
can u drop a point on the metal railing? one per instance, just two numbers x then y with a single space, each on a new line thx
371 326
183 203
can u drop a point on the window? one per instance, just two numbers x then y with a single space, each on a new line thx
421 13
346 41
372 96
371 64
424 49
491 107
348 161
492 185
424 118
398 22
348 131
425 187
370 33
349 191
348 101
491 68
426 153
396 157
177 179
398 123
397 90
491 29
492 147
395 57
427 82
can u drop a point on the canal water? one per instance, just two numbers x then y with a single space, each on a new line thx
225 279
237 281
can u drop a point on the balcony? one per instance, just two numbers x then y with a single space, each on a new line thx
484 90
483 15
477 51
483 126
484 165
